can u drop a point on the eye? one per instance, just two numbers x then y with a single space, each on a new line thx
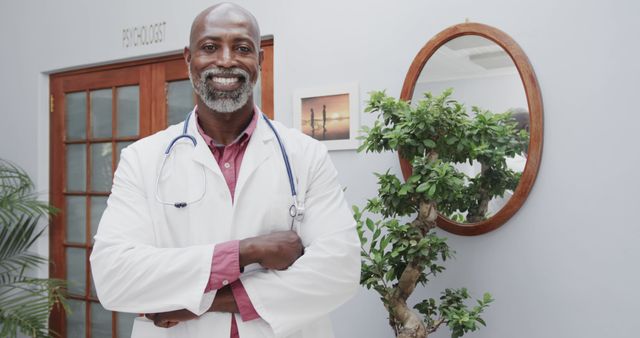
209 47
244 49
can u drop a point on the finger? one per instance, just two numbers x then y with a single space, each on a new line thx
159 322
151 316
165 323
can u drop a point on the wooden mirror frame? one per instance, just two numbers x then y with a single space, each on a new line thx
534 101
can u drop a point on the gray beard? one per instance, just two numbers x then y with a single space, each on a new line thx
222 101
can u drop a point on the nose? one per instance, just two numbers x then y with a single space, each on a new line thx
225 58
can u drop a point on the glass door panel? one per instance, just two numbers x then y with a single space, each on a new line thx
76 218
76 271
98 204
76 320
100 322
119 147
101 166
76 167
76 116
125 324
101 110
180 101
128 115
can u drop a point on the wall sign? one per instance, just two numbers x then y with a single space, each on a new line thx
143 35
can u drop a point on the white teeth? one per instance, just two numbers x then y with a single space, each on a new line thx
225 80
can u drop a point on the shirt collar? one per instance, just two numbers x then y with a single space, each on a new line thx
242 138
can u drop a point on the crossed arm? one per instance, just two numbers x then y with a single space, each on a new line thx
125 258
275 251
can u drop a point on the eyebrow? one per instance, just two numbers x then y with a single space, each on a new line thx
235 40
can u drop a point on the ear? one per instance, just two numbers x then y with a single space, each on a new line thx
260 57
187 55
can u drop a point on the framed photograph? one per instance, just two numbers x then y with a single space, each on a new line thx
329 114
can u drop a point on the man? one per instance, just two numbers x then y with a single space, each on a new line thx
180 263
324 116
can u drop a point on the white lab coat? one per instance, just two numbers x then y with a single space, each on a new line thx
150 258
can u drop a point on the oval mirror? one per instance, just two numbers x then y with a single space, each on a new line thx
491 76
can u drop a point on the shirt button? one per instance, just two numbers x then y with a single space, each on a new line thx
227 165
225 282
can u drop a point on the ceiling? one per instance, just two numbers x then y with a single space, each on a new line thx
468 56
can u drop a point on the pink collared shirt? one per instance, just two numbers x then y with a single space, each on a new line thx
225 265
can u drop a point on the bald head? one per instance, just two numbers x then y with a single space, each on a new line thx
223 58
229 13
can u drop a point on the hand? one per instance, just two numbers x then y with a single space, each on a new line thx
224 301
276 251
171 318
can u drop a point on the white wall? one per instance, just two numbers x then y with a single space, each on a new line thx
566 265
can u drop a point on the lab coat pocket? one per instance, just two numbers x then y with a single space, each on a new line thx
278 218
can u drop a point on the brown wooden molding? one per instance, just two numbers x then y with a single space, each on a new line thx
534 100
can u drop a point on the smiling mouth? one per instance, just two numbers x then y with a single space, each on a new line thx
225 83
225 80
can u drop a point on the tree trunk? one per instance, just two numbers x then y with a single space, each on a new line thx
408 323
478 215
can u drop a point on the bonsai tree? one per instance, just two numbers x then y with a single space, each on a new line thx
397 255
25 302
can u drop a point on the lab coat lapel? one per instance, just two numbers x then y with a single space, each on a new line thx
259 149
215 205
202 153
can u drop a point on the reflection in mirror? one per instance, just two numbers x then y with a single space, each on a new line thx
485 80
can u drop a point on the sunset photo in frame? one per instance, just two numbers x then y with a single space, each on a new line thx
328 114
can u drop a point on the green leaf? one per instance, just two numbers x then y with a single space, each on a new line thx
432 191
429 143
384 242
422 187
376 234
369 224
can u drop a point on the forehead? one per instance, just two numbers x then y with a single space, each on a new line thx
219 24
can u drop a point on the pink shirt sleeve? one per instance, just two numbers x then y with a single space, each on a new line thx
225 270
247 311
225 265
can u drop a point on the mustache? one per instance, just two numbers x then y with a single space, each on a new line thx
208 74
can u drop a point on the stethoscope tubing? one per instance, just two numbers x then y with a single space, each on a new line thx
295 210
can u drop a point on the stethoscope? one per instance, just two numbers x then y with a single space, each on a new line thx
296 210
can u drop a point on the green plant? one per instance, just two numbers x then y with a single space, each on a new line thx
25 302
397 255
